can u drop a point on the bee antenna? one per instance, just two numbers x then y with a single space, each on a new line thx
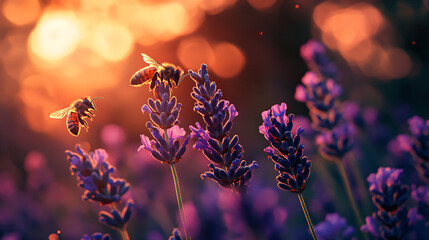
93 103
182 77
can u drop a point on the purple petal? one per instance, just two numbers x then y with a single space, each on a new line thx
301 93
416 124
310 78
100 155
371 227
279 110
175 132
146 143
146 108
232 112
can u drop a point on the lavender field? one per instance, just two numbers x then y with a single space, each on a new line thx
214 120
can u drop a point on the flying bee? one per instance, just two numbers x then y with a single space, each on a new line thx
76 114
143 76
165 71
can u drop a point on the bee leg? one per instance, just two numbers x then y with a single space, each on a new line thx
92 114
81 121
85 114
152 83
89 114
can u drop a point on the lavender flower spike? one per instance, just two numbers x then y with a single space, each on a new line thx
314 53
421 196
392 220
116 219
287 152
93 173
334 227
164 114
286 149
320 92
228 168
418 145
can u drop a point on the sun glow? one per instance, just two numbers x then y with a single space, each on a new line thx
56 35
352 30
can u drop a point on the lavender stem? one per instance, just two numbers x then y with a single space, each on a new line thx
361 181
122 231
177 188
346 181
179 198
307 216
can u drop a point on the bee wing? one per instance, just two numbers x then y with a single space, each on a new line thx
151 61
60 113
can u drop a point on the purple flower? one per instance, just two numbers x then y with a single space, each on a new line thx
314 53
238 173
392 220
175 235
321 98
164 113
320 92
334 227
93 173
228 168
421 196
336 143
384 177
96 236
286 149
115 218
418 145
419 128
167 152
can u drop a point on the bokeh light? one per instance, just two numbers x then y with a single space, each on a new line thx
56 35
55 52
352 30
21 12
112 41
228 61
215 6
193 51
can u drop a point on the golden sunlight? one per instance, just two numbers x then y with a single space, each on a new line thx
21 12
229 60
56 35
112 41
193 51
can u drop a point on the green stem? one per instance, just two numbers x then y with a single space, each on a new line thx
124 234
122 231
177 188
179 198
362 184
343 173
307 216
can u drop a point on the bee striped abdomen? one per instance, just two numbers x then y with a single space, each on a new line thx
143 76
73 124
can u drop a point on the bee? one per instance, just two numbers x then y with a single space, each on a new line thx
165 71
76 114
